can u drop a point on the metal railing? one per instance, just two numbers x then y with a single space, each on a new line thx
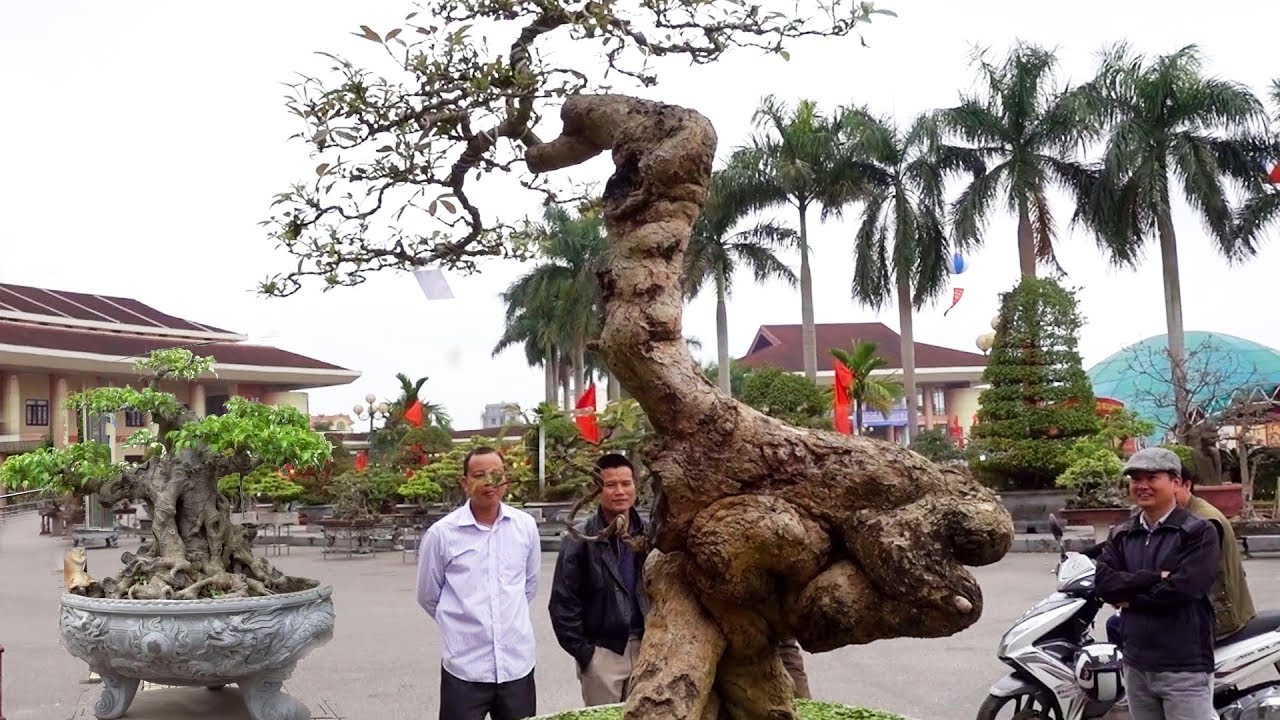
23 503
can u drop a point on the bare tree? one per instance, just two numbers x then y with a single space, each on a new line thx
761 531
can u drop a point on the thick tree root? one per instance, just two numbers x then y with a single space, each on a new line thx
675 675
768 531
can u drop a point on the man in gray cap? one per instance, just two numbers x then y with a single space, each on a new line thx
1159 566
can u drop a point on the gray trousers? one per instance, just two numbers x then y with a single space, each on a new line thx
1169 695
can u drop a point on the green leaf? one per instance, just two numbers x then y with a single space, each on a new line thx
321 169
785 55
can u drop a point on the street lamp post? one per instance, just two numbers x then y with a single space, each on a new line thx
372 409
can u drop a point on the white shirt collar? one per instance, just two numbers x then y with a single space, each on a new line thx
1159 522
469 517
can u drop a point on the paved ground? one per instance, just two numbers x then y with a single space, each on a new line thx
383 663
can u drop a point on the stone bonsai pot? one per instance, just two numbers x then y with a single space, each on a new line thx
254 642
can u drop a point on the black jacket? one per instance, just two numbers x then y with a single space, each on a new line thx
1168 624
590 606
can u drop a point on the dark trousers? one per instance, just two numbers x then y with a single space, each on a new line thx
463 700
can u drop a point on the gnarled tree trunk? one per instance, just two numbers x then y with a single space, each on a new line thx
762 531
195 550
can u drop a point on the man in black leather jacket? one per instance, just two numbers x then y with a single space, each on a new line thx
597 595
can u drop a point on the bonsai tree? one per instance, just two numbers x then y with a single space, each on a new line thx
1039 400
262 484
760 531
195 551
1093 474
421 488
1095 464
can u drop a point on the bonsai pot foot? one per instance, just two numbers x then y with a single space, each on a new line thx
117 696
266 701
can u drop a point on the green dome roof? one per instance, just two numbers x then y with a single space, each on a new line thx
1217 365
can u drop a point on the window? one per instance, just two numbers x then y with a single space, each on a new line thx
135 418
38 413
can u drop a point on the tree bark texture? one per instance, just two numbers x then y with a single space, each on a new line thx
1173 317
1026 244
724 376
907 347
808 331
762 531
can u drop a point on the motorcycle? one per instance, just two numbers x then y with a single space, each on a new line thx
1052 653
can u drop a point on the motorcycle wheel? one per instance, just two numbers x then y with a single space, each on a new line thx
1037 706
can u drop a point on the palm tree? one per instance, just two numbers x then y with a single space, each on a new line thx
1262 210
555 307
524 327
432 413
1171 128
1027 134
795 159
714 255
868 391
901 246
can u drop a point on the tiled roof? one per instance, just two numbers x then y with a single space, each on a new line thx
781 346
124 345
65 305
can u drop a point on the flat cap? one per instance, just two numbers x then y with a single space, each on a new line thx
1154 459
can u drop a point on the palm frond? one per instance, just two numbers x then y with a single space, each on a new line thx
971 209
1256 217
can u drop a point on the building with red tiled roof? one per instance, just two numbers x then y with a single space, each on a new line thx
56 342
946 378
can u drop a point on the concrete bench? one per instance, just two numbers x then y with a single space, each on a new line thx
1259 544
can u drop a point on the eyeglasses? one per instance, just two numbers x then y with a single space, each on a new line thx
493 478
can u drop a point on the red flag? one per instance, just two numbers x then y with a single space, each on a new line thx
362 459
956 294
413 415
844 383
585 415
1274 175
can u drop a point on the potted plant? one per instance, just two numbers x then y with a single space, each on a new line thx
193 605
1100 495
422 487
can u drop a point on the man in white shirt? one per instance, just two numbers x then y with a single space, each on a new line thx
477 575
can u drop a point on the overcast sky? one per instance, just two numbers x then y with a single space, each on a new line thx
142 144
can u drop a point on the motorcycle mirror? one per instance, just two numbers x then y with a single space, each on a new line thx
1055 527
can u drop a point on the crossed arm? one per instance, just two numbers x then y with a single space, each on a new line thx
1189 575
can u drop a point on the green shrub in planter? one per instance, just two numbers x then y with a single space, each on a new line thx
806 709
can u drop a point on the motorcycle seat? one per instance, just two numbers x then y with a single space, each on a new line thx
1261 624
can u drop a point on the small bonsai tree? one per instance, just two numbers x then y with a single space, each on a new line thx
262 484
1095 464
1040 401
1093 474
421 488
195 551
